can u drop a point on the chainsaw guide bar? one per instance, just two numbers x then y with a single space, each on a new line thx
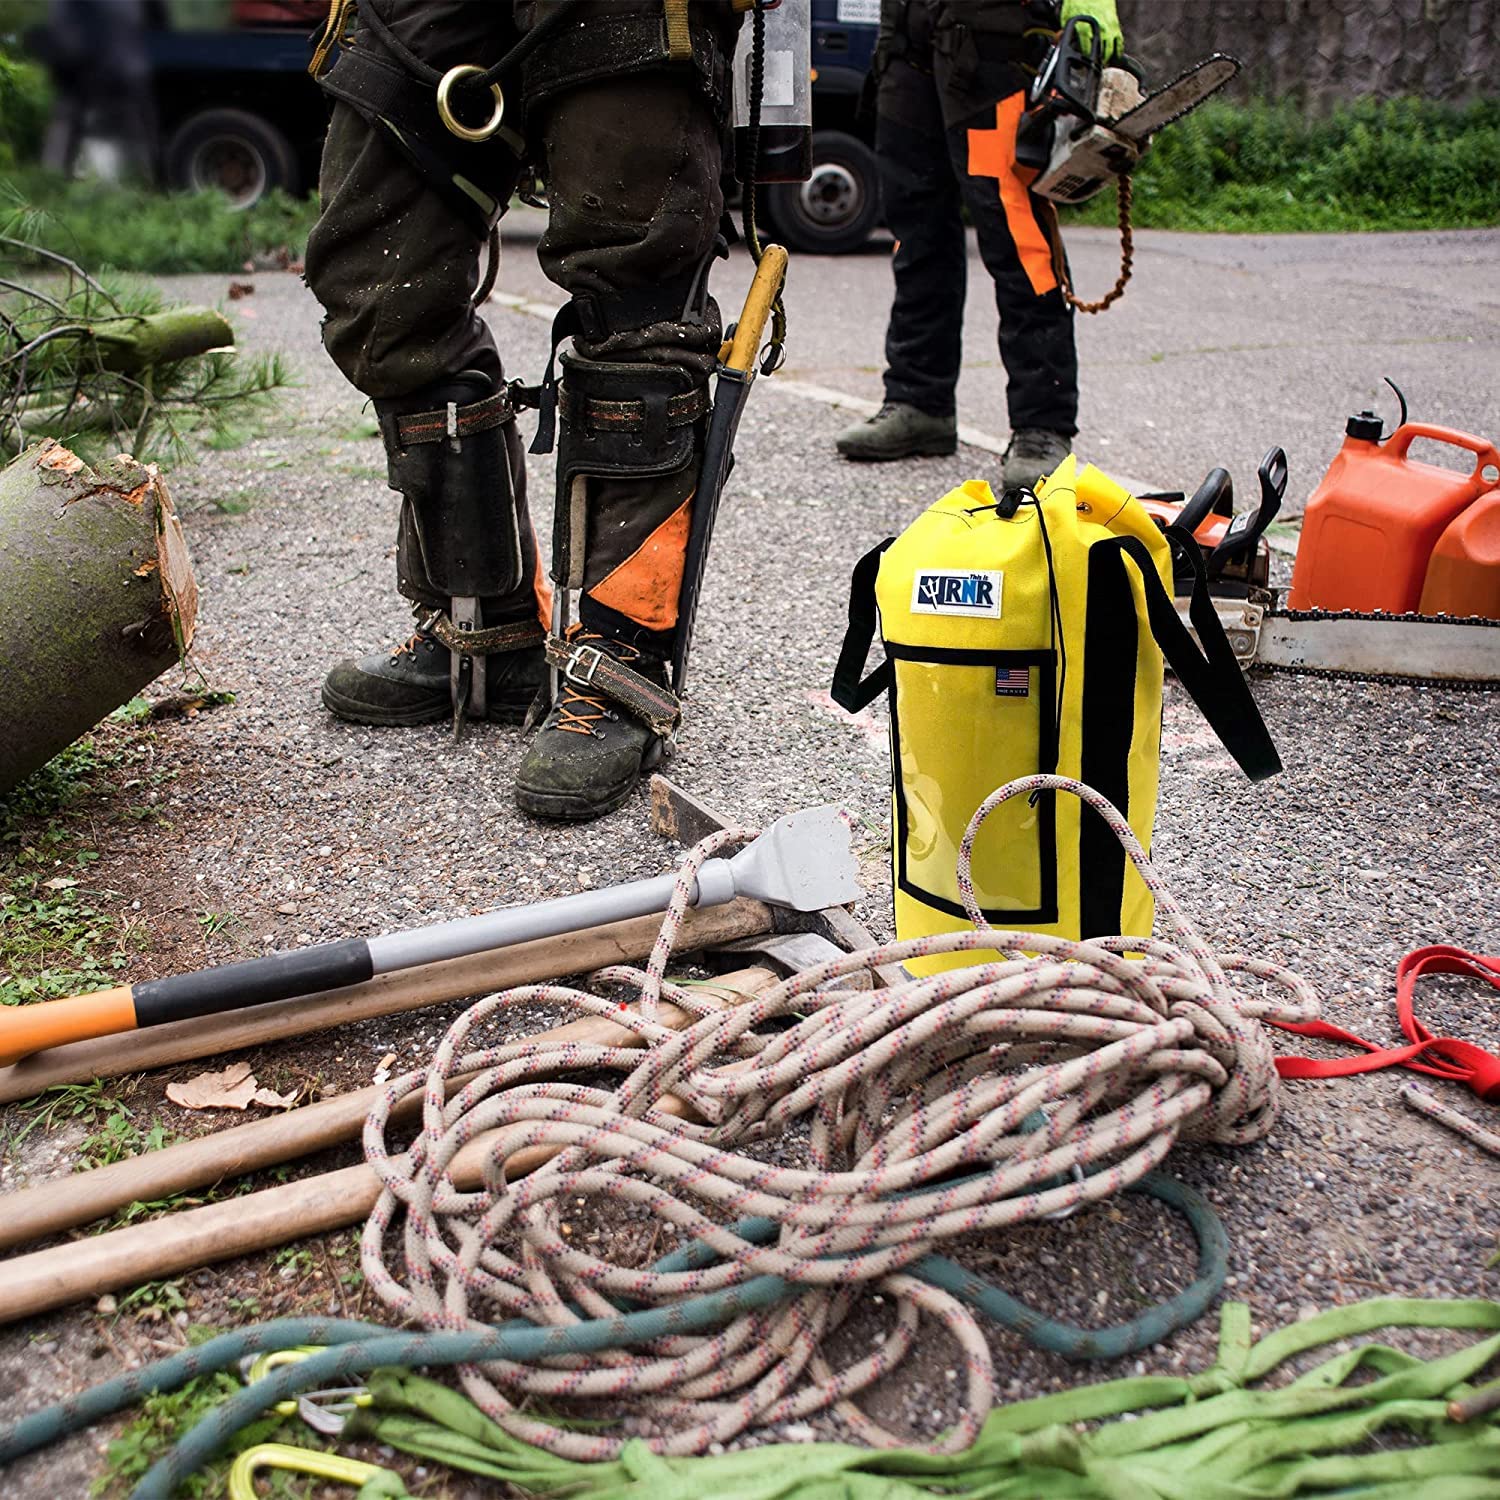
1173 100
1408 650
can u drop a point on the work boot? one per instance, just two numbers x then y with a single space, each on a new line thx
589 752
899 431
1032 453
411 684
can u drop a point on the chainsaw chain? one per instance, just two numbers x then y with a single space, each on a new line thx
1191 104
1339 674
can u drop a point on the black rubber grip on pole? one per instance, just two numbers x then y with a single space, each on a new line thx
257 981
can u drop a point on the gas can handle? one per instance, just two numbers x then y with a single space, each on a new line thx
1488 455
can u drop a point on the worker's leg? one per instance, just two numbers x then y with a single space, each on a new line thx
395 265
920 195
1037 345
633 167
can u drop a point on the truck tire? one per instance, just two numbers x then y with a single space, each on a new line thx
243 155
837 208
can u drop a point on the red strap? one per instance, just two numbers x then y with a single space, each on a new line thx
1442 1056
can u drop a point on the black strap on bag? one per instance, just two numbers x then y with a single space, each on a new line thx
1211 675
851 690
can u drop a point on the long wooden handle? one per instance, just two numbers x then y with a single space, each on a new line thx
183 1241
410 989
769 275
63 1203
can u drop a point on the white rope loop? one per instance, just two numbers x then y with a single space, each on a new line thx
1025 1086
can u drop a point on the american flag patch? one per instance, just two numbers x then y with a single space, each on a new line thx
1012 682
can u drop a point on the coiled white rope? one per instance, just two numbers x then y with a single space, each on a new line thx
920 1104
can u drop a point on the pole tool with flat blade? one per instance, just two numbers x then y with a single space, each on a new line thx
735 376
802 862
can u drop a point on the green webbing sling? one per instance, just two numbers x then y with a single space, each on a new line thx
1217 1435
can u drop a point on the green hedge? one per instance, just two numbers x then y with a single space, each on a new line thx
1375 164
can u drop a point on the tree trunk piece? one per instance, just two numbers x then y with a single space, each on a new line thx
130 345
98 597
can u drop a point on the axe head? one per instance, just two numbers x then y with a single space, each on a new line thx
803 861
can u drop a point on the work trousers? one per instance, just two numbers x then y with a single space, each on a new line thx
632 168
940 156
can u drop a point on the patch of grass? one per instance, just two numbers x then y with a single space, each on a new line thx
56 937
139 229
1371 165
153 1301
69 1101
116 1138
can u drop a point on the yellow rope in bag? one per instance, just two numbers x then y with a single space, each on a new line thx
1026 635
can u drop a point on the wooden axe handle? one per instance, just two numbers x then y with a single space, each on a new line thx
183 1241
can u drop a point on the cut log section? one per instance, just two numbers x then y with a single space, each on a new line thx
98 597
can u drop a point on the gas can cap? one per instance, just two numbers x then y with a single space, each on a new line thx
1365 424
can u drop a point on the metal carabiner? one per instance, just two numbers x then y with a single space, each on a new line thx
445 108
301 1461
325 1411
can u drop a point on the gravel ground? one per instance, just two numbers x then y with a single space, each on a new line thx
1380 835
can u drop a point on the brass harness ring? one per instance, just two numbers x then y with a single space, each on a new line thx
445 109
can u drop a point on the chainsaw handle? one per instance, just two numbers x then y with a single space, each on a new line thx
1216 493
1485 451
1247 529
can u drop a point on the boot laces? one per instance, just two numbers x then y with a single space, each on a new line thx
409 646
579 710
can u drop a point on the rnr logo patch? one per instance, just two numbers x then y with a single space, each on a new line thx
976 594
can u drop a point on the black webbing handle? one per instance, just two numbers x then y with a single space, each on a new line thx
1212 676
851 689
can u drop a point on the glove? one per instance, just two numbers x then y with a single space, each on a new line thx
1112 42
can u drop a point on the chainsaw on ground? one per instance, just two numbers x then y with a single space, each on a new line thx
1282 632
1086 123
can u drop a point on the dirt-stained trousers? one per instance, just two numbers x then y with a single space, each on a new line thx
632 168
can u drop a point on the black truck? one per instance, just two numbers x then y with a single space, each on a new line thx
238 112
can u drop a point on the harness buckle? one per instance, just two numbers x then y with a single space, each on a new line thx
583 676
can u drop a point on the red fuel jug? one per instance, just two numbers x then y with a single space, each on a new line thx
1373 522
1463 577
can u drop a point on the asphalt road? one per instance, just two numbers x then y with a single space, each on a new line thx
1380 835
1221 346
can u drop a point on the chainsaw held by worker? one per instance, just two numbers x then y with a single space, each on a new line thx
1397 575
1087 123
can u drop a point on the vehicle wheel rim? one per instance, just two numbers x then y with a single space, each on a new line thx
235 169
831 196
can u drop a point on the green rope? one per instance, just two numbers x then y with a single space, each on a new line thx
357 1348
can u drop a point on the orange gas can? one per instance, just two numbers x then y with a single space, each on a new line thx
1463 577
1372 524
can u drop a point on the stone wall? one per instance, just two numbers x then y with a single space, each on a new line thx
1321 52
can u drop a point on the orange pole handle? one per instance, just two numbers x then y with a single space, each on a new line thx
25 1029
